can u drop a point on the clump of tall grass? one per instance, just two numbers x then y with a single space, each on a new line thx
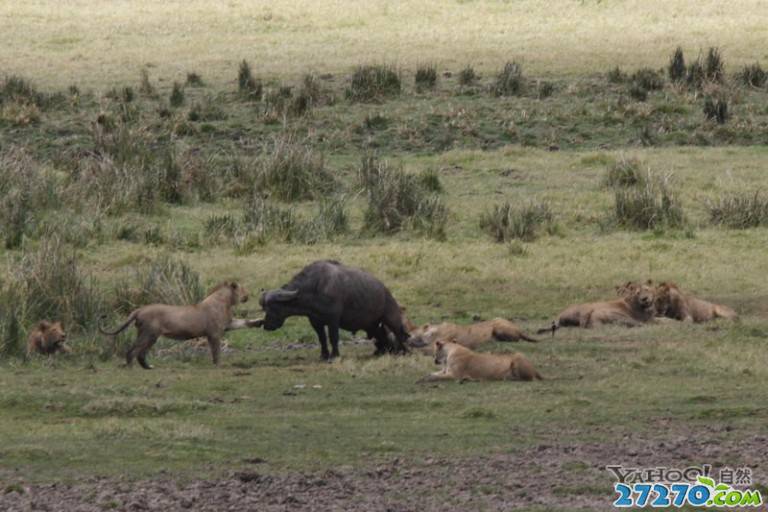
51 284
616 75
648 79
676 67
716 109
626 172
649 204
27 189
294 171
17 89
510 81
176 98
426 77
11 340
374 82
752 75
249 87
163 280
714 66
398 200
739 210
467 76
145 86
524 222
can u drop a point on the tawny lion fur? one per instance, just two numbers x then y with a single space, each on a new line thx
47 338
671 302
461 363
470 336
209 318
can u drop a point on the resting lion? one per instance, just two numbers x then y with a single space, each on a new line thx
47 338
470 336
671 302
209 318
636 306
460 363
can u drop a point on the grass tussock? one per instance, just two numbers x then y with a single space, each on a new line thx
740 210
676 68
145 85
162 280
426 77
194 80
398 200
176 98
293 171
468 76
373 83
616 76
525 222
138 406
510 81
248 86
49 283
626 172
649 204
716 109
752 75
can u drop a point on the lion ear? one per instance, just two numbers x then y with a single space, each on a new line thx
439 344
425 326
44 325
233 285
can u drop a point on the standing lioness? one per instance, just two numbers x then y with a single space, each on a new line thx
460 363
470 336
209 319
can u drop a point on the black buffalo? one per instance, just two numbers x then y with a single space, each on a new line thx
334 295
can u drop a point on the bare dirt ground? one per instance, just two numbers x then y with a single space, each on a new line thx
549 475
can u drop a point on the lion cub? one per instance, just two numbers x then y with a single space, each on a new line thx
47 338
460 363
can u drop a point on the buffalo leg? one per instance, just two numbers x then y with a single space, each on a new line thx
382 344
333 333
320 330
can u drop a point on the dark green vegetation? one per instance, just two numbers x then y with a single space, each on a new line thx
469 196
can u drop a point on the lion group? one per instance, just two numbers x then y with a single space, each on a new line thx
452 345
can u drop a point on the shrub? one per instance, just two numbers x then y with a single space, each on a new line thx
398 200
194 80
426 77
752 75
177 95
51 285
739 210
506 222
676 68
510 81
648 79
649 204
248 86
467 76
713 66
625 173
716 110
294 171
163 280
616 76
373 82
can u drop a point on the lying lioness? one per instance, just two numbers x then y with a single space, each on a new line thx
671 302
210 319
460 363
635 307
47 338
470 336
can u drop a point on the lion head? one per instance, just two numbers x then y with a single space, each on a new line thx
51 335
666 295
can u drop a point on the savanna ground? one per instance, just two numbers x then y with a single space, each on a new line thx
115 192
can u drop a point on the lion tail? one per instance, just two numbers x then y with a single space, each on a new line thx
528 338
129 321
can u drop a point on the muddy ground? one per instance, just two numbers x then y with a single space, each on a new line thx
549 475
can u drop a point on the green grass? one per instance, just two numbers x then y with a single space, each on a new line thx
553 144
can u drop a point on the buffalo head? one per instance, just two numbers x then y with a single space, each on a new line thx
277 306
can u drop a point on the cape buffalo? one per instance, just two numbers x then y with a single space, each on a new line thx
334 295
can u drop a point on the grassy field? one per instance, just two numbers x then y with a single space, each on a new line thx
102 183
